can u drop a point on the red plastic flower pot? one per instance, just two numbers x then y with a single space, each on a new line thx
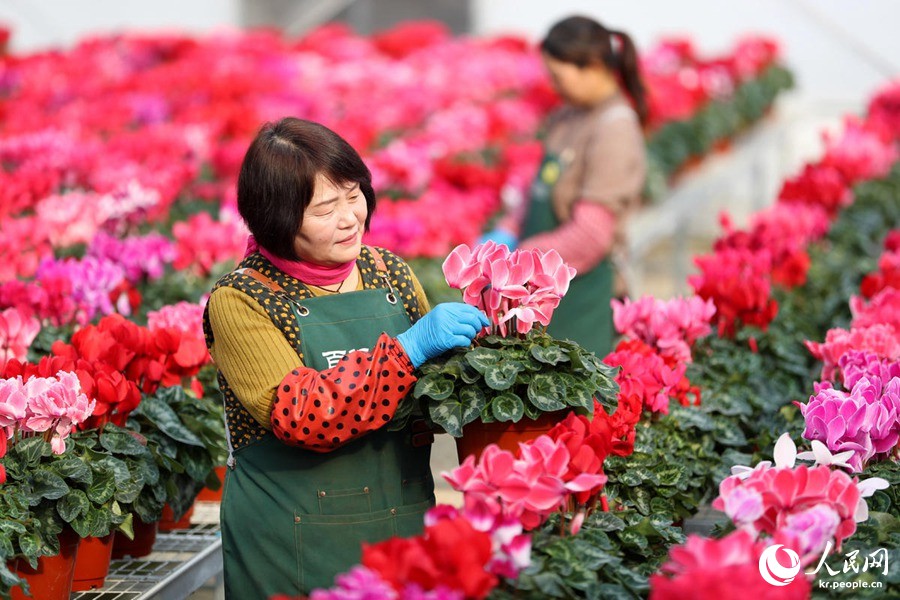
92 564
52 579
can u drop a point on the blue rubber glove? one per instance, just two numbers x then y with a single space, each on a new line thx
448 325
500 236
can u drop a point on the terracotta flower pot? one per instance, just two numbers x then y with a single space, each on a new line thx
477 435
208 495
141 545
92 565
52 579
168 522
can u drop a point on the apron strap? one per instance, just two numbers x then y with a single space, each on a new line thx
269 283
379 261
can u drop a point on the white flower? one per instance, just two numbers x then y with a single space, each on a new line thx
867 488
823 456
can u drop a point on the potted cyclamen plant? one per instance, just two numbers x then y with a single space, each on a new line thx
517 381
54 493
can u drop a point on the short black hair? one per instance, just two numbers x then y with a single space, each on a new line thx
278 177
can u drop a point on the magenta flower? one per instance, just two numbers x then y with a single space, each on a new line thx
704 568
793 491
139 256
92 282
859 153
855 365
865 420
183 316
359 583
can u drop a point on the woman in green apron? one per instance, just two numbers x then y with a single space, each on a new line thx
316 338
591 176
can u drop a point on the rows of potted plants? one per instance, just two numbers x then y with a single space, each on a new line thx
117 213
136 140
98 443
709 403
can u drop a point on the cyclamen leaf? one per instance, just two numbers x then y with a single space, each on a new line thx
546 393
29 544
164 417
473 401
103 486
483 358
49 485
128 491
507 407
502 376
436 387
74 505
73 469
30 450
448 415
550 355
97 523
121 442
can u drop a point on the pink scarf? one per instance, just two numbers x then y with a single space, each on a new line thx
305 271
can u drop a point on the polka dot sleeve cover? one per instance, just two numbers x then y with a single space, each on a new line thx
323 410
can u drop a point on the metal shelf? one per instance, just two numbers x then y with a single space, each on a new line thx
181 562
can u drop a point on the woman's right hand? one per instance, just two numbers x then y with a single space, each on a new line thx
448 325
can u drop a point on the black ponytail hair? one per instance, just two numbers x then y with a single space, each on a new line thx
583 41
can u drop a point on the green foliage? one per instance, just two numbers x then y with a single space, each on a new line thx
186 438
508 379
671 146
611 557
89 489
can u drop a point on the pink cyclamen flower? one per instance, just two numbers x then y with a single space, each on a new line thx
183 316
787 491
670 326
17 330
13 403
529 488
511 547
524 285
55 404
881 340
881 309
811 530
705 568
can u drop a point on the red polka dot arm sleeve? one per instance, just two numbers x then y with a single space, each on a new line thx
323 410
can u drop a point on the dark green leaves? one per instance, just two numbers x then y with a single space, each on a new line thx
516 378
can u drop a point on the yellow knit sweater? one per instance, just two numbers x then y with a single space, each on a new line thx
252 352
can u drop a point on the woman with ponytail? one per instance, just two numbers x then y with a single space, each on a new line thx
591 176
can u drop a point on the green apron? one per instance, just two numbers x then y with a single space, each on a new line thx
584 314
292 518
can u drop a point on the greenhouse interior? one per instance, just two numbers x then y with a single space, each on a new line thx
622 288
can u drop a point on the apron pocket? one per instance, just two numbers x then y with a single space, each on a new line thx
350 501
330 544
